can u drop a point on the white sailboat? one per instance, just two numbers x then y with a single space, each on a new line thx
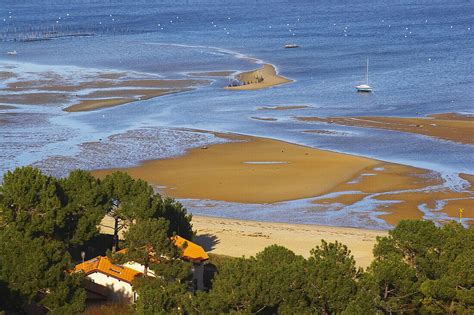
365 87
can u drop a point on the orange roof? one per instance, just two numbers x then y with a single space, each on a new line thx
192 251
104 265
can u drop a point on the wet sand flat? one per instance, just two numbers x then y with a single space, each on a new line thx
409 203
264 118
451 126
88 90
409 189
262 171
40 98
255 170
6 107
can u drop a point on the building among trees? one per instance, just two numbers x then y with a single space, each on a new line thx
109 281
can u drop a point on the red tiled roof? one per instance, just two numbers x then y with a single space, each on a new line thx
192 251
104 265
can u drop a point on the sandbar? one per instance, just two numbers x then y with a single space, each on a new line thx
409 188
262 171
291 107
220 172
6 107
450 126
130 96
87 105
262 78
264 118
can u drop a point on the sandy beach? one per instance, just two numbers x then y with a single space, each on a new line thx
246 238
450 126
262 78
237 238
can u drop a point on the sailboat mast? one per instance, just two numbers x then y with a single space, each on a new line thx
367 73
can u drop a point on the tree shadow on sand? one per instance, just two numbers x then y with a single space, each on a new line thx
207 241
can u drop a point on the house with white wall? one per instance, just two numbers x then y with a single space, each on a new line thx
118 278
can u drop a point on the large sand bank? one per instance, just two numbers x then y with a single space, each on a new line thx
453 127
262 78
246 238
253 170
258 170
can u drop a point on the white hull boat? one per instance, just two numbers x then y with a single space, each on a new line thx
365 88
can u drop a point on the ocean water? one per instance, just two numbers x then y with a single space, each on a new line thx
421 62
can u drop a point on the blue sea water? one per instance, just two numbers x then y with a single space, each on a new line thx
420 52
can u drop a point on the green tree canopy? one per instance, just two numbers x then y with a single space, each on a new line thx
177 216
32 202
86 204
419 267
148 243
332 276
128 199
131 199
265 284
34 270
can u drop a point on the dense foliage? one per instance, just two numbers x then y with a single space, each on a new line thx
417 268
44 219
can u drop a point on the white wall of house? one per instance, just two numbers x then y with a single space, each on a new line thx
138 267
120 290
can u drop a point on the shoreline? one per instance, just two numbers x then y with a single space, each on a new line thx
236 238
262 78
